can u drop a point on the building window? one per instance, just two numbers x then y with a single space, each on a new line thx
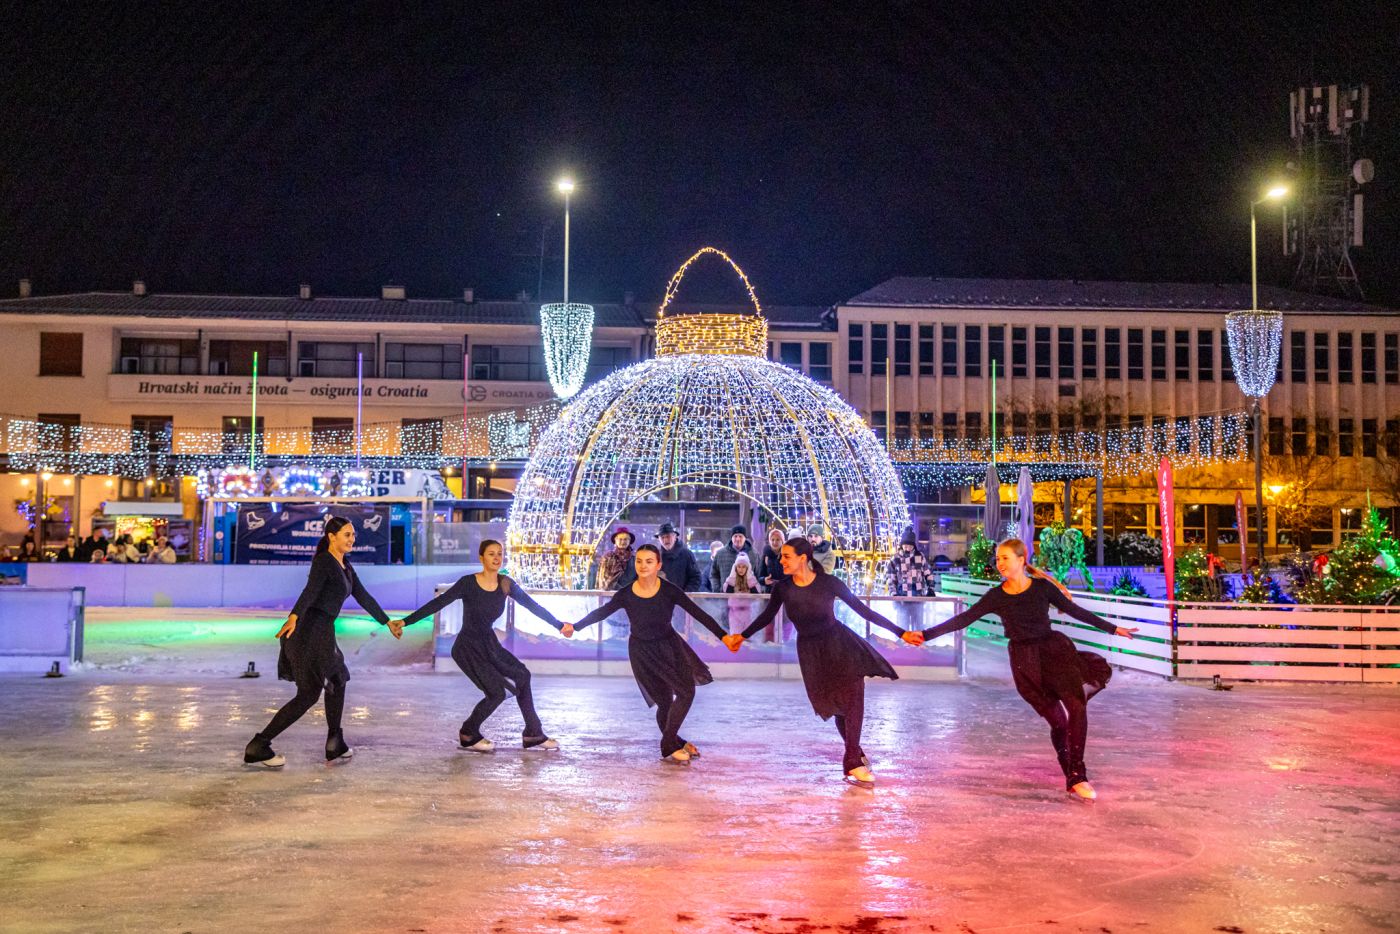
1277 439
424 361
1392 359
334 359
996 347
1299 445
1040 442
1298 356
1018 351
1205 356
1066 336
604 361
1322 357
60 354
152 434
1368 357
855 349
926 426
926 350
162 356
1322 437
420 436
1042 353
1183 356
1345 360
1193 523
59 433
511 363
902 426
950 350
879 423
1135 357
1368 437
1346 437
1159 354
332 436
972 350
234 438
1112 353
1392 438
879 348
903 351
972 425
790 355
1089 365
819 361
950 427
235 358
1227 363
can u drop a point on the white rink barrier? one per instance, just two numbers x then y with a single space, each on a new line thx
1234 641
40 626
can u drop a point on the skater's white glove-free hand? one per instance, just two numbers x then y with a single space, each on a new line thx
396 627
568 631
1125 633
289 627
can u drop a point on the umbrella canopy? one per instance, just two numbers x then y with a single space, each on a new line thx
992 521
1025 508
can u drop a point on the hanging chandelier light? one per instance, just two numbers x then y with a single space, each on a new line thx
567 331
1256 338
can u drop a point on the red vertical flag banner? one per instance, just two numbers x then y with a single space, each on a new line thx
1167 507
1242 522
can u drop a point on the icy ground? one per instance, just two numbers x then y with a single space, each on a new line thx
126 808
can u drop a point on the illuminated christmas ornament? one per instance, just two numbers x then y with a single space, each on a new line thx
711 418
1255 340
567 330
302 481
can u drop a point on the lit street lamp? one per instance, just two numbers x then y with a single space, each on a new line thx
566 327
1256 339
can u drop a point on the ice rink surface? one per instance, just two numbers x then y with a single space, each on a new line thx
126 808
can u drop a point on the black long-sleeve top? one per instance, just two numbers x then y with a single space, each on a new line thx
812 609
651 616
480 607
329 585
1025 616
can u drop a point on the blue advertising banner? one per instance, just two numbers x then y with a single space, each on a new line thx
269 533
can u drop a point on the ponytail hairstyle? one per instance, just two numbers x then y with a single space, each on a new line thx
333 524
804 548
1018 548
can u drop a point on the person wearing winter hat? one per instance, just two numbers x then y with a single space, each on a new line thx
724 561
678 564
909 572
617 561
822 552
741 580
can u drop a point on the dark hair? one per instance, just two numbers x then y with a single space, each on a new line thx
333 524
651 548
485 544
804 548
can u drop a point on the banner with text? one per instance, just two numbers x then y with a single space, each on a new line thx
275 534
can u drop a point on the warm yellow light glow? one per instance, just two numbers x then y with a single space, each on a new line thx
47 475
565 185
724 334
1277 488
109 484
1276 192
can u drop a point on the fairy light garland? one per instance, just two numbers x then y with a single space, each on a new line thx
1256 339
567 331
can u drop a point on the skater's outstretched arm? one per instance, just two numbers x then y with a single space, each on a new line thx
603 612
521 596
852 601
323 569
985 605
770 613
455 592
365 599
696 613
1073 610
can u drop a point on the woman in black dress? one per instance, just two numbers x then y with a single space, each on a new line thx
1050 673
834 660
666 668
480 655
309 655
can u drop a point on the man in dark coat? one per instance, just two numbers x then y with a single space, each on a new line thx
678 562
724 561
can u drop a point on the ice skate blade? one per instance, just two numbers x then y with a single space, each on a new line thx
481 745
692 751
549 745
679 757
858 782
860 777
347 754
1085 792
276 762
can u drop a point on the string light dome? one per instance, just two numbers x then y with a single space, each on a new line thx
711 417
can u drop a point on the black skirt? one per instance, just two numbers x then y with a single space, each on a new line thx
831 660
665 667
1049 670
310 657
489 665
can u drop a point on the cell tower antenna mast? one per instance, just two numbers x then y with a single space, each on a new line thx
1326 123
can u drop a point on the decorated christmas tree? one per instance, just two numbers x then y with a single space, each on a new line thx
1364 570
981 555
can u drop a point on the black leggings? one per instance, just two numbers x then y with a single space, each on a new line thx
671 710
496 695
307 696
849 722
1069 731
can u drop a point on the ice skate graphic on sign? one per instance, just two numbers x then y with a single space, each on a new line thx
373 522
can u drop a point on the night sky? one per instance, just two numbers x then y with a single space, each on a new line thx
827 147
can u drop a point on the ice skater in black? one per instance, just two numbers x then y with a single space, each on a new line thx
666 668
480 655
309 655
834 660
1050 673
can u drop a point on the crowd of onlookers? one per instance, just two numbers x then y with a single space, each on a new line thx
97 548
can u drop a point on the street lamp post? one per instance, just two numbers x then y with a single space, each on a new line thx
1256 339
566 188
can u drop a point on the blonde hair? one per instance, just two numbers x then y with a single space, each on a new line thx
1018 548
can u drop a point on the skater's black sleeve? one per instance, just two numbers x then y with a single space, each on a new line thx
1068 607
852 601
364 599
456 592
522 597
986 605
769 613
696 613
324 570
603 612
